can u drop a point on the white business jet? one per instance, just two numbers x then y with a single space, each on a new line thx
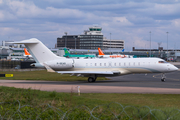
93 68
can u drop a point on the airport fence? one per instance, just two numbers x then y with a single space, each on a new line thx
15 64
5 64
114 110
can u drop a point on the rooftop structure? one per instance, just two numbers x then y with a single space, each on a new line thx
108 44
95 30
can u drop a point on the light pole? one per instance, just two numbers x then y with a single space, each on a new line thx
159 44
167 45
150 43
66 38
110 41
167 41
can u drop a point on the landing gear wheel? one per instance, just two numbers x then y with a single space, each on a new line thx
91 79
163 79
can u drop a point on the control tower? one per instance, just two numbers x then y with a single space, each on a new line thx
95 30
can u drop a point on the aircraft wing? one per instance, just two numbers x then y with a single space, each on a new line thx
89 72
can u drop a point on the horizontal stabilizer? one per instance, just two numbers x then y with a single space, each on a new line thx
32 40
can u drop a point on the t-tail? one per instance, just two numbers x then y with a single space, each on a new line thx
100 51
39 51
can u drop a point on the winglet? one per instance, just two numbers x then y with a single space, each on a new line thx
26 52
48 68
100 51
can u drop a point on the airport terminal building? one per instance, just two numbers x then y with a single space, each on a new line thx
108 44
91 39
69 41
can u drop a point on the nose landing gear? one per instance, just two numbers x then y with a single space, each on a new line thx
163 77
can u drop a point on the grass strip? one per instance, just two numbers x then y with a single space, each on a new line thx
43 75
46 105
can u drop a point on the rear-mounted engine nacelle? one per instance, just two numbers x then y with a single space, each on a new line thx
61 64
38 65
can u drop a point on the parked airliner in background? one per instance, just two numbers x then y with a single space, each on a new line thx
67 54
93 68
26 53
102 55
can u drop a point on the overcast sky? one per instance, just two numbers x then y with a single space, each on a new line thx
130 20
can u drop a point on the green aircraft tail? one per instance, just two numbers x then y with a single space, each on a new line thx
66 52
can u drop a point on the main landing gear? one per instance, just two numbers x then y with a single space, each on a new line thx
163 77
92 79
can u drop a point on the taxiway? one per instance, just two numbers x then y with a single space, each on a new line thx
135 83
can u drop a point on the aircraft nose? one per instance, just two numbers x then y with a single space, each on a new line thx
174 68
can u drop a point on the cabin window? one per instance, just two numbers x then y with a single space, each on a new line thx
129 64
114 64
86 64
134 63
95 64
100 64
104 64
110 65
119 64
162 62
124 64
138 63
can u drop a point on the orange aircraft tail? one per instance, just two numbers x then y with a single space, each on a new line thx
26 52
100 51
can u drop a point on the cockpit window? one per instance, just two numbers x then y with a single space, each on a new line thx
162 62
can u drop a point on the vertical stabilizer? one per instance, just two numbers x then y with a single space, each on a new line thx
38 50
26 52
100 51
67 54
66 51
